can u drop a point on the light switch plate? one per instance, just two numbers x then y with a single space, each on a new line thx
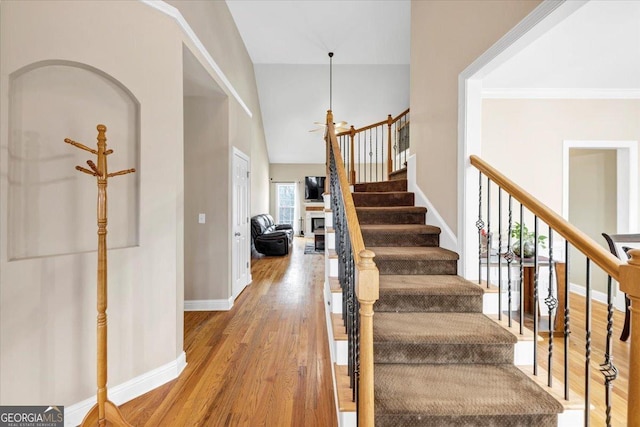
202 218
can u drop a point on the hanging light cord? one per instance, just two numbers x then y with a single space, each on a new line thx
331 81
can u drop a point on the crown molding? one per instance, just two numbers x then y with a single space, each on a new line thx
559 93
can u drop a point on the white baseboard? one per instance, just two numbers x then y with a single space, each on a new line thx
129 390
448 239
595 295
208 304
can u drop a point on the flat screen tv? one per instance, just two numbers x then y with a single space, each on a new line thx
313 188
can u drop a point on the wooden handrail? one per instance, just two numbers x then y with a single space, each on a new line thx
367 279
355 233
399 116
380 123
626 273
585 244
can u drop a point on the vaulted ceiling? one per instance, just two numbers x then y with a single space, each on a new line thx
289 42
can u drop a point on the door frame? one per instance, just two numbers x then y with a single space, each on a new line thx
544 17
626 182
235 152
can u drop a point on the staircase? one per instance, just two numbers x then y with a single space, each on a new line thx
438 360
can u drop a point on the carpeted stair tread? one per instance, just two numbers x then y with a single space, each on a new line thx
391 214
415 260
428 293
429 284
399 174
445 328
413 253
395 185
401 228
400 235
383 198
455 395
440 338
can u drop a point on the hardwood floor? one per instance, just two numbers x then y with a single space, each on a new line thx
577 361
264 363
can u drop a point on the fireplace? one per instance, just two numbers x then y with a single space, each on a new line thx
317 224
314 218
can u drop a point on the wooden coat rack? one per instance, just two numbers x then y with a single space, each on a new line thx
104 410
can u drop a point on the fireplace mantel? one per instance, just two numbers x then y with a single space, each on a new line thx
314 212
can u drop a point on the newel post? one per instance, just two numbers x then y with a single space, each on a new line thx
630 284
367 291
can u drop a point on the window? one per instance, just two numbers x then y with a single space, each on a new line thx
285 203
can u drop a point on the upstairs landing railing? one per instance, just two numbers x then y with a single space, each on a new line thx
373 152
498 227
359 279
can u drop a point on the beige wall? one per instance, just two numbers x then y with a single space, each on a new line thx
535 129
592 206
446 36
293 172
47 305
206 184
214 25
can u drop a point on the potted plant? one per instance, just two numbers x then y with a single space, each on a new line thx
528 239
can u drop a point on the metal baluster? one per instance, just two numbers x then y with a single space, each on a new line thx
480 226
370 156
552 303
395 147
521 269
567 319
535 294
608 369
509 257
357 351
377 127
587 356
499 253
359 161
488 231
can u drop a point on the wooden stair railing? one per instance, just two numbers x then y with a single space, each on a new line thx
367 145
361 271
627 274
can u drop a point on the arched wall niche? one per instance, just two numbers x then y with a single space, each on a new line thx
51 206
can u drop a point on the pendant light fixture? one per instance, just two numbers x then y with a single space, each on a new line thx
341 126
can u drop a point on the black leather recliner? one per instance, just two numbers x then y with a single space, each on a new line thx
269 238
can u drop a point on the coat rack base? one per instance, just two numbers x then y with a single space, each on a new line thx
112 415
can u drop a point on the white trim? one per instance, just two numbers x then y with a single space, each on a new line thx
208 304
186 28
128 390
237 152
559 93
448 238
596 296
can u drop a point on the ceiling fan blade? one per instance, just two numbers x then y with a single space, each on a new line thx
319 123
341 124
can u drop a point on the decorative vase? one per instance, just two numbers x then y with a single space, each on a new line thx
527 247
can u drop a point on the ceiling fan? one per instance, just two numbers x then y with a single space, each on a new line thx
340 126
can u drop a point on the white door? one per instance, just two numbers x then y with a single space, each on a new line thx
241 237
